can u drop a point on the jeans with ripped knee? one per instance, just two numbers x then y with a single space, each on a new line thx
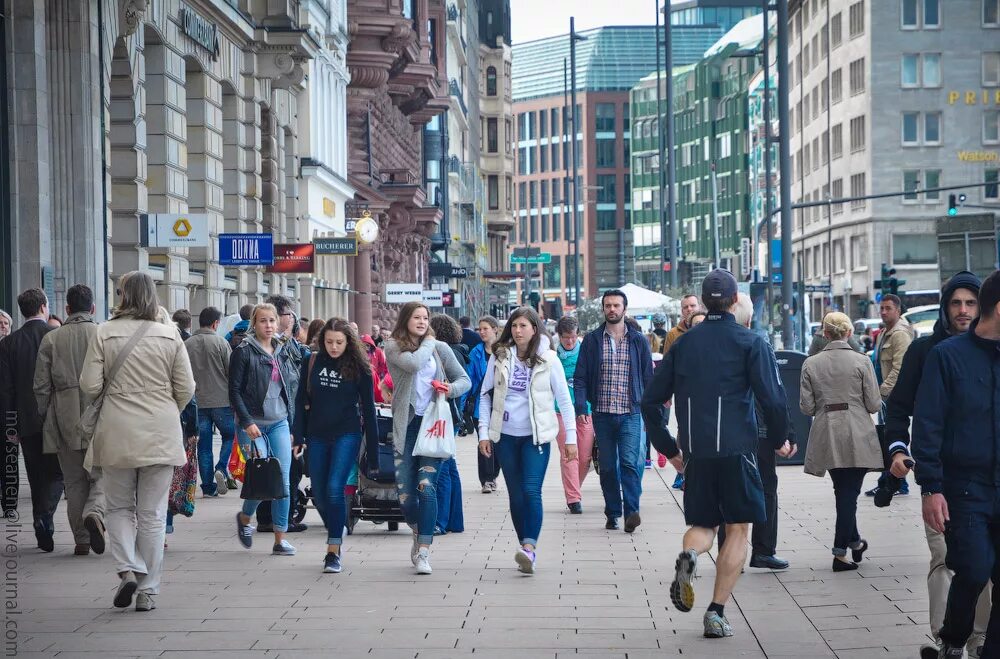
416 482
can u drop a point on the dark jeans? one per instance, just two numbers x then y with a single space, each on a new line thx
416 483
846 488
523 466
223 419
620 452
973 539
764 536
449 493
45 480
489 468
330 464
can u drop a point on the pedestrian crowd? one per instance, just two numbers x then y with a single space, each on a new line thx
120 417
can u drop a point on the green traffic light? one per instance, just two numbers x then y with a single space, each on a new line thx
952 211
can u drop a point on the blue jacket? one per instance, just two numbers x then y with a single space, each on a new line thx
716 372
956 427
587 379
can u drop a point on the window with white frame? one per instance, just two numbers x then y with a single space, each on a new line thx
837 86
859 252
857 134
837 192
991 69
856 19
858 189
991 192
921 70
991 127
857 76
932 128
837 140
911 181
932 179
836 30
991 13
917 14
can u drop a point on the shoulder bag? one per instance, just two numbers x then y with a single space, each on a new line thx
262 479
90 416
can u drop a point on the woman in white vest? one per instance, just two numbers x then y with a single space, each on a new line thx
517 418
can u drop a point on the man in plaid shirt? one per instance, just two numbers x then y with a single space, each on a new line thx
613 368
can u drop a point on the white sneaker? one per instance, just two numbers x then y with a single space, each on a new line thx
283 548
423 562
221 487
415 550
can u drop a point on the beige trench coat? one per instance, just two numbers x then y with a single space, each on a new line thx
840 438
57 382
140 420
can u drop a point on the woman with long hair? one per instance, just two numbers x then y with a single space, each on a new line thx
312 334
838 388
489 329
517 418
259 370
421 367
135 442
335 395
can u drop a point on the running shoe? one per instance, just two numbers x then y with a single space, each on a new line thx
221 484
682 589
525 560
331 564
716 626
424 561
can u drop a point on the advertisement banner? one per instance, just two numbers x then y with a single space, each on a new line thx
236 249
294 258
403 293
174 229
347 246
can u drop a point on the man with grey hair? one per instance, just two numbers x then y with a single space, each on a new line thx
764 535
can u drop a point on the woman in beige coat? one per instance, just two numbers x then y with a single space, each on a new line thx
136 438
839 390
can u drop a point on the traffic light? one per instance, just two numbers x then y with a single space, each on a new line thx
954 203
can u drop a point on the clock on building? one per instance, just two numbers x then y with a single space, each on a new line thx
367 229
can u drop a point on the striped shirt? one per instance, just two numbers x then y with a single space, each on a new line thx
614 397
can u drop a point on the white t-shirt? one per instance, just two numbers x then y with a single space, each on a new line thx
423 392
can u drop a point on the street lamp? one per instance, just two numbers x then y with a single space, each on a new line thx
573 38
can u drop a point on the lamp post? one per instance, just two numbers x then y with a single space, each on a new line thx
574 125
668 65
785 167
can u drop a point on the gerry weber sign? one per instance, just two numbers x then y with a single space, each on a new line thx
201 30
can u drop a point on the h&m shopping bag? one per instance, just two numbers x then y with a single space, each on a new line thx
436 438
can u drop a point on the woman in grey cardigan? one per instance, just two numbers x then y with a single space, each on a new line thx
839 389
420 367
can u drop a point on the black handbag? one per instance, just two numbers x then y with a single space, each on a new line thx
262 479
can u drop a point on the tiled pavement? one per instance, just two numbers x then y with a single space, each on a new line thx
596 593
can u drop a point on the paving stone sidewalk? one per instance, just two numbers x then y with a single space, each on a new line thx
597 593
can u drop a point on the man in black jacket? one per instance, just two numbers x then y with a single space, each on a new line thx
22 423
959 307
717 372
956 429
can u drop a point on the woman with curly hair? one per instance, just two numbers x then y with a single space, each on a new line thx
336 395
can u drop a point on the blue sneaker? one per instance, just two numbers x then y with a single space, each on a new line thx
331 564
678 482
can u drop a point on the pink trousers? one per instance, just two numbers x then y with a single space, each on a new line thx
574 471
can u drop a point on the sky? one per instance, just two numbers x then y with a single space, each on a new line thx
536 19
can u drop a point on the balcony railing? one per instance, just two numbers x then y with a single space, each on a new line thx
452 13
456 91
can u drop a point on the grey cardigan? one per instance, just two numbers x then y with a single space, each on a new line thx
403 367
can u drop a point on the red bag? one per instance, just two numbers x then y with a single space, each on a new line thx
237 463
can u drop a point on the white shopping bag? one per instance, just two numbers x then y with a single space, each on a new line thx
436 438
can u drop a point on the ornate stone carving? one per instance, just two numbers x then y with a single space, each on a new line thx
371 77
132 13
398 38
284 69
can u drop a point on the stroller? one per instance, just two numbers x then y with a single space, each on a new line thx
377 500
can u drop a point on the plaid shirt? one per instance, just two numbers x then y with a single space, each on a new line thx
614 396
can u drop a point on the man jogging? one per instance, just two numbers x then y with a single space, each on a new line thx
715 372
955 428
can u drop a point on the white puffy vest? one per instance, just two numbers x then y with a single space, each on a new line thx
541 400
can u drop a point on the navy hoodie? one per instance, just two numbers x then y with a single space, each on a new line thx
337 405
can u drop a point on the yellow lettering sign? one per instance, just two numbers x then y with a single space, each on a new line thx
970 98
952 97
979 156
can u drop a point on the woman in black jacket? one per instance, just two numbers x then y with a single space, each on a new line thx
259 371
336 394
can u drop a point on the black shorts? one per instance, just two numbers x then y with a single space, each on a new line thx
724 490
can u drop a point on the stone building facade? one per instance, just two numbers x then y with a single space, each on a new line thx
126 107
396 59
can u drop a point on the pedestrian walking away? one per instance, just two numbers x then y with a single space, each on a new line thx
716 372
420 367
489 466
138 359
209 354
60 404
517 420
763 535
611 374
573 469
259 371
955 410
959 307
23 426
335 401
838 388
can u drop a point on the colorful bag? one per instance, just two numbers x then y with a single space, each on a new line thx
185 484
237 463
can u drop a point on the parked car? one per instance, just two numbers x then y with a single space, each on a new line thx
863 324
922 314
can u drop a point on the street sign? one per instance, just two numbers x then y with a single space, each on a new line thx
294 258
237 249
173 230
818 288
347 246
544 257
447 270
433 298
745 257
526 251
403 293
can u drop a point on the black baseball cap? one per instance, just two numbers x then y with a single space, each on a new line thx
718 284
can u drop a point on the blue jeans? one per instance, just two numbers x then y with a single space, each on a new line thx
449 494
622 458
523 465
330 463
416 483
223 419
276 440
